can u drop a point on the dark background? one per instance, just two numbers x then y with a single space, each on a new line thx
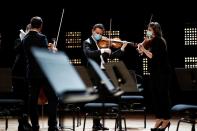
130 18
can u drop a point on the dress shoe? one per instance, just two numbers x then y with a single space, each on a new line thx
164 128
158 124
24 127
99 127
24 124
154 129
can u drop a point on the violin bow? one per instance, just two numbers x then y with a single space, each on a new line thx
110 24
59 27
151 17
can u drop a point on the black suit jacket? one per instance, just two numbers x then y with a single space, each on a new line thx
33 38
91 51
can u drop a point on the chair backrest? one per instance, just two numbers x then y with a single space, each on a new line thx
5 80
186 78
118 71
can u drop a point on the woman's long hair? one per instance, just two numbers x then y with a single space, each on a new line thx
157 30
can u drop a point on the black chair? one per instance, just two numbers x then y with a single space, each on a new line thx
187 81
75 108
132 84
105 108
10 106
72 109
188 114
134 101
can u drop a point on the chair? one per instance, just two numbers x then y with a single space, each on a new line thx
59 73
10 106
188 112
103 108
72 109
132 100
187 81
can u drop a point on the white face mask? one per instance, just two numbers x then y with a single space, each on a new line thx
97 36
149 34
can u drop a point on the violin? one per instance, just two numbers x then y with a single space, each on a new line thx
52 47
112 43
146 43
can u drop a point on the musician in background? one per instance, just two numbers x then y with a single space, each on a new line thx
92 50
36 79
154 47
18 79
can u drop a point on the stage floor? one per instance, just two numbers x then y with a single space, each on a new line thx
134 123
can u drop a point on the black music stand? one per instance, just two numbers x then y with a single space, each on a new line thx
187 79
105 85
119 74
62 76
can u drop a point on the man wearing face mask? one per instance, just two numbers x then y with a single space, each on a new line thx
92 50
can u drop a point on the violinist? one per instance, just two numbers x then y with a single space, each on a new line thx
100 53
154 47
35 78
98 47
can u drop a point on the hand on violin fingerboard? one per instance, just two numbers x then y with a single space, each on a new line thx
124 45
139 48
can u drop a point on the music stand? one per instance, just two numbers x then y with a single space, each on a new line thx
119 74
106 85
187 79
62 76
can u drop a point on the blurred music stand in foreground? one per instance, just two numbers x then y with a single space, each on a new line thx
62 76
